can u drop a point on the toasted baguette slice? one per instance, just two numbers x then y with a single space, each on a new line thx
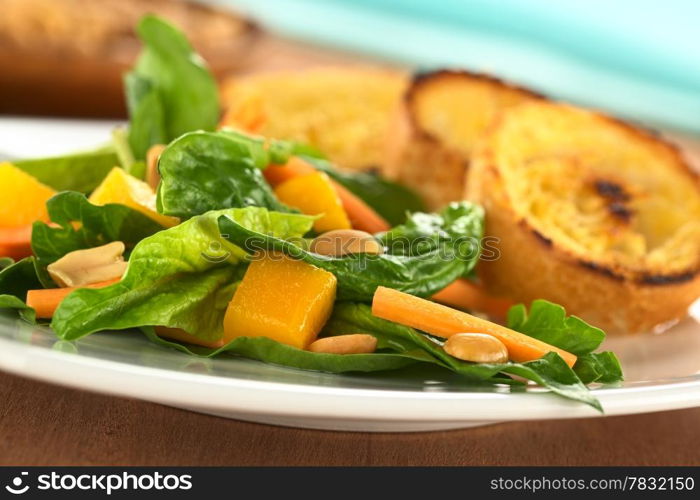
588 212
344 112
437 125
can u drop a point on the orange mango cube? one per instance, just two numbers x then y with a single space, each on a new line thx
283 299
314 194
124 189
23 198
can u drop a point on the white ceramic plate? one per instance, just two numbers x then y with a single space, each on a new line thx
662 370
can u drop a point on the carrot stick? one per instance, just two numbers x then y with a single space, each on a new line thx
443 321
16 242
361 215
183 336
45 302
295 167
465 294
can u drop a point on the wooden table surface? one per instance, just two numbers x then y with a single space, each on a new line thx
42 424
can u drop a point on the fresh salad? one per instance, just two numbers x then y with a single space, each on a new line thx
212 241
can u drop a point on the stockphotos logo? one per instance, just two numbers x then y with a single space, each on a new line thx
105 483
17 486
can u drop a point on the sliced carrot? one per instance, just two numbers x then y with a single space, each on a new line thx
361 215
16 242
465 294
443 321
45 302
183 336
295 167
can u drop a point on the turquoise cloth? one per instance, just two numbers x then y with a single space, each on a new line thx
636 58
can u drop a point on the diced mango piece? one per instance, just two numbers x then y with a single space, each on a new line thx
124 189
283 299
22 197
314 194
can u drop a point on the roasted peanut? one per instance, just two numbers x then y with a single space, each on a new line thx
92 265
346 241
152 155
356 343
476 347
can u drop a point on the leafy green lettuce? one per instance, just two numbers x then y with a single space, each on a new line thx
424 232
182 277
73 172
15 280
549 323
359 275
79 224
271 351
210 171
551 371
601 367
203 171
170 91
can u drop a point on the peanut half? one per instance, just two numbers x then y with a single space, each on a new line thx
344 242
356 343
92 265
476 347
152 174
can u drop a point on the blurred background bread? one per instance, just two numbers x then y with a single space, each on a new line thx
342 111
589 212
441 118
66 57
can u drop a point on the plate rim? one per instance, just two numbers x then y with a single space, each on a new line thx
219 394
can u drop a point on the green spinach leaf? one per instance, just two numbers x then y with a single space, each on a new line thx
182 277
601 367
271 351
74 172
277 151
549 323
550 371
97 225
359 275
203 171
170 90
15 280
25 312
18 278
424 232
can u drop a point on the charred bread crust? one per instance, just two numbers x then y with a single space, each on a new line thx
422 158
608 294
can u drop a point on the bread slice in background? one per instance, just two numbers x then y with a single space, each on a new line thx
343 112
441 118
589 212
